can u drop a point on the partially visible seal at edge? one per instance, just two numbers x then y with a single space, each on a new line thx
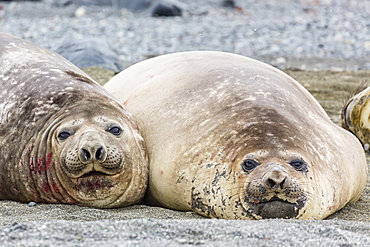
355 116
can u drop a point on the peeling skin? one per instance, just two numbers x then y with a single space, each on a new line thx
42 95
203 114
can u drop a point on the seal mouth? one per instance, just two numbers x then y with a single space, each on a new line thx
276 208
94 174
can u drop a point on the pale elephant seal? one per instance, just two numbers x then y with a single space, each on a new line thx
231 137
355 116
64 138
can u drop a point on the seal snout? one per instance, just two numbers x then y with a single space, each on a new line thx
275 179
276 193
90 154
92 148
94 153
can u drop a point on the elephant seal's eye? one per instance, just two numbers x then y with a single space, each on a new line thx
115 130
299 165
249 164
64 134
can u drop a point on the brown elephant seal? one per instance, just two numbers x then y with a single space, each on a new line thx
355 116
64 138
231 137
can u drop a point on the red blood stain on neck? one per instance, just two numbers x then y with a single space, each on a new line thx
41 165
55 186
32 166
46 187
48 163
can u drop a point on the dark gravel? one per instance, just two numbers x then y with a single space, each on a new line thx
211 232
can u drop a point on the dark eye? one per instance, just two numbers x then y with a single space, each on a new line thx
64 134
299 165
249 164
115 130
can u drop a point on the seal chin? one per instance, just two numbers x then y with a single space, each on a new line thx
92 188
276 208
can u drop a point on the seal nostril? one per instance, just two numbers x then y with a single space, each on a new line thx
270 183
276 182
283 183
85 154
99 155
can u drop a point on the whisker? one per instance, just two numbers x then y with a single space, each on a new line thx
362 85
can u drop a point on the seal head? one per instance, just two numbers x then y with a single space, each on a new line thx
64 138
96 156
273 192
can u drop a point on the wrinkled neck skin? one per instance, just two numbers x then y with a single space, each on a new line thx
26 172
40 177
41 162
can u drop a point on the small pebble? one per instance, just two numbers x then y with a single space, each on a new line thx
80 12
366 146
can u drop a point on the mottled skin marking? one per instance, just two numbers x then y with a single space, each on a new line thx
44 95
231 137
